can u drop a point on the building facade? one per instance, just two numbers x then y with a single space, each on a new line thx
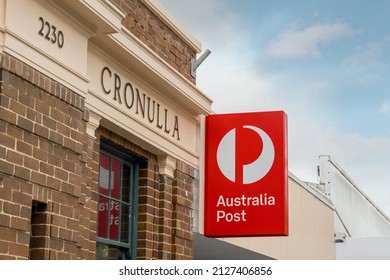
99 128
102 144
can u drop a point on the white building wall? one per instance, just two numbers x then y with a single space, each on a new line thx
355 214
364 248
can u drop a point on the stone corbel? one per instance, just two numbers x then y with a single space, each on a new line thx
167 165
93 123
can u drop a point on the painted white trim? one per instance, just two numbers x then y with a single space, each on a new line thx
137 132
131 47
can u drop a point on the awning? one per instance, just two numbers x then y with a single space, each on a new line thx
214 249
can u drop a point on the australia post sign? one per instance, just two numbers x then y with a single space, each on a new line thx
246 174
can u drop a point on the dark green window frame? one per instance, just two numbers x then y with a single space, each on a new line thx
117 206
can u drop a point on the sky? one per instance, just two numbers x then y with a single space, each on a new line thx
325 63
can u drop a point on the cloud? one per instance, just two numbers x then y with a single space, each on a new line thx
365 64
385 107
305 43
365 159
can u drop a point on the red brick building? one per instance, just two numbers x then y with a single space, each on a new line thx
99 131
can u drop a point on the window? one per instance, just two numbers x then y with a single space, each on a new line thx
117 204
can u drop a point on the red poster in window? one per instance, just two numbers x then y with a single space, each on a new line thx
104 187
246 174
115 196
109 193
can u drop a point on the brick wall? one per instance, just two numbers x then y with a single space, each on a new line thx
154 33
46 210
182 217
49 164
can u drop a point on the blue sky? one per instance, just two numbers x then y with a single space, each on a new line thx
326 63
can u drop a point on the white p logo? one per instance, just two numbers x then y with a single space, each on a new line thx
252 172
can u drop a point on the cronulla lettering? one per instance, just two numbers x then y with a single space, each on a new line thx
139 103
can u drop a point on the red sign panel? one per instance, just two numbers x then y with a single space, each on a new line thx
246 174
109 188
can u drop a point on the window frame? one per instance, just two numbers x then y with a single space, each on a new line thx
125 156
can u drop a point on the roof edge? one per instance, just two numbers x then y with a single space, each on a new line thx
162 13
310 187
